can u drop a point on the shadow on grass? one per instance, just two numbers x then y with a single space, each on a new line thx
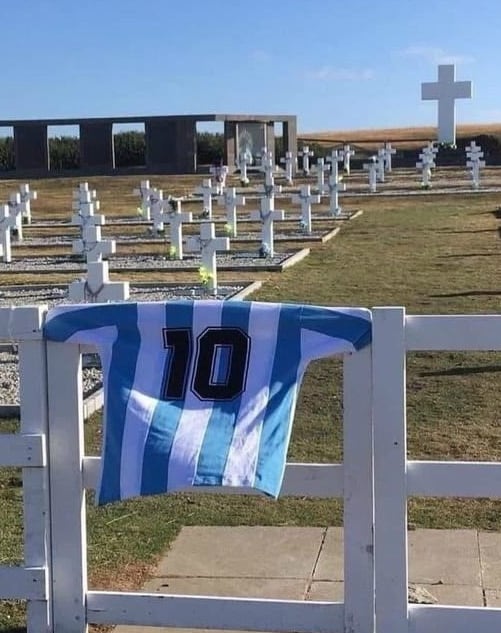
462 371
451 232
467 293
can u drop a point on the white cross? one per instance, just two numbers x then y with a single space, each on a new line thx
92 245
207 244
267 166
333 187
26 197
85 207
446 90
266 215
305 198
16 211
98 288
289 162
7 222
230 200
242 162
346 154
321 168
426 163
388 152
380 162
175 217
82 195
335 158
157 206
206 190
144 191
306 153
219 172
372 169
474 154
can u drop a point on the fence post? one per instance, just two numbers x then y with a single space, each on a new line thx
390 488
358 493
33 420
66 452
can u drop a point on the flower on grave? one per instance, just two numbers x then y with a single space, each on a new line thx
264 250
139 211
302 225
205 276
172 252
228 228
205 213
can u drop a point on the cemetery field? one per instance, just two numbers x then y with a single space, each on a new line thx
433 255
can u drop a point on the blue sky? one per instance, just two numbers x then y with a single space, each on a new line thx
338 65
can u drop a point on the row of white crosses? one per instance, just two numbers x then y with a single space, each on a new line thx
378 165
474 154
426 163
12 216
97 285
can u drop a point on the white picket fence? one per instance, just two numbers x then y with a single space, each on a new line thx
374 481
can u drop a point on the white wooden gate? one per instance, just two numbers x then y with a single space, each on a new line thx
55 549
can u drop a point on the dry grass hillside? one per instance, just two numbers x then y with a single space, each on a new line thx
404 138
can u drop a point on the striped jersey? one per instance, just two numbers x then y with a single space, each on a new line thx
200 393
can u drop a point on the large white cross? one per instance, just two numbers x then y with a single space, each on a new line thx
207 244
306 153
7 222
321 168
289 162
26 197
175 218
305 198
266 215
97 287
231 200
157 206
206 190
92 244
144 192
446 90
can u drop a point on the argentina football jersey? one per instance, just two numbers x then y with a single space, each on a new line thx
202 393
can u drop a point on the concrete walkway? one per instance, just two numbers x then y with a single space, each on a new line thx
455 566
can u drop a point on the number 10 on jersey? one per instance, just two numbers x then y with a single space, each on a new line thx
214 367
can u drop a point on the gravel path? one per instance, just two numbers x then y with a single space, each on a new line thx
240 259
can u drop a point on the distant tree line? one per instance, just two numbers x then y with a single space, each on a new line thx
130 150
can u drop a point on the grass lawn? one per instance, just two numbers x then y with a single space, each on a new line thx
430 254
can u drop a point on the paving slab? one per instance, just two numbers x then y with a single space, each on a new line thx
326 590
490 559
447 556
244 551
463 595
330 564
